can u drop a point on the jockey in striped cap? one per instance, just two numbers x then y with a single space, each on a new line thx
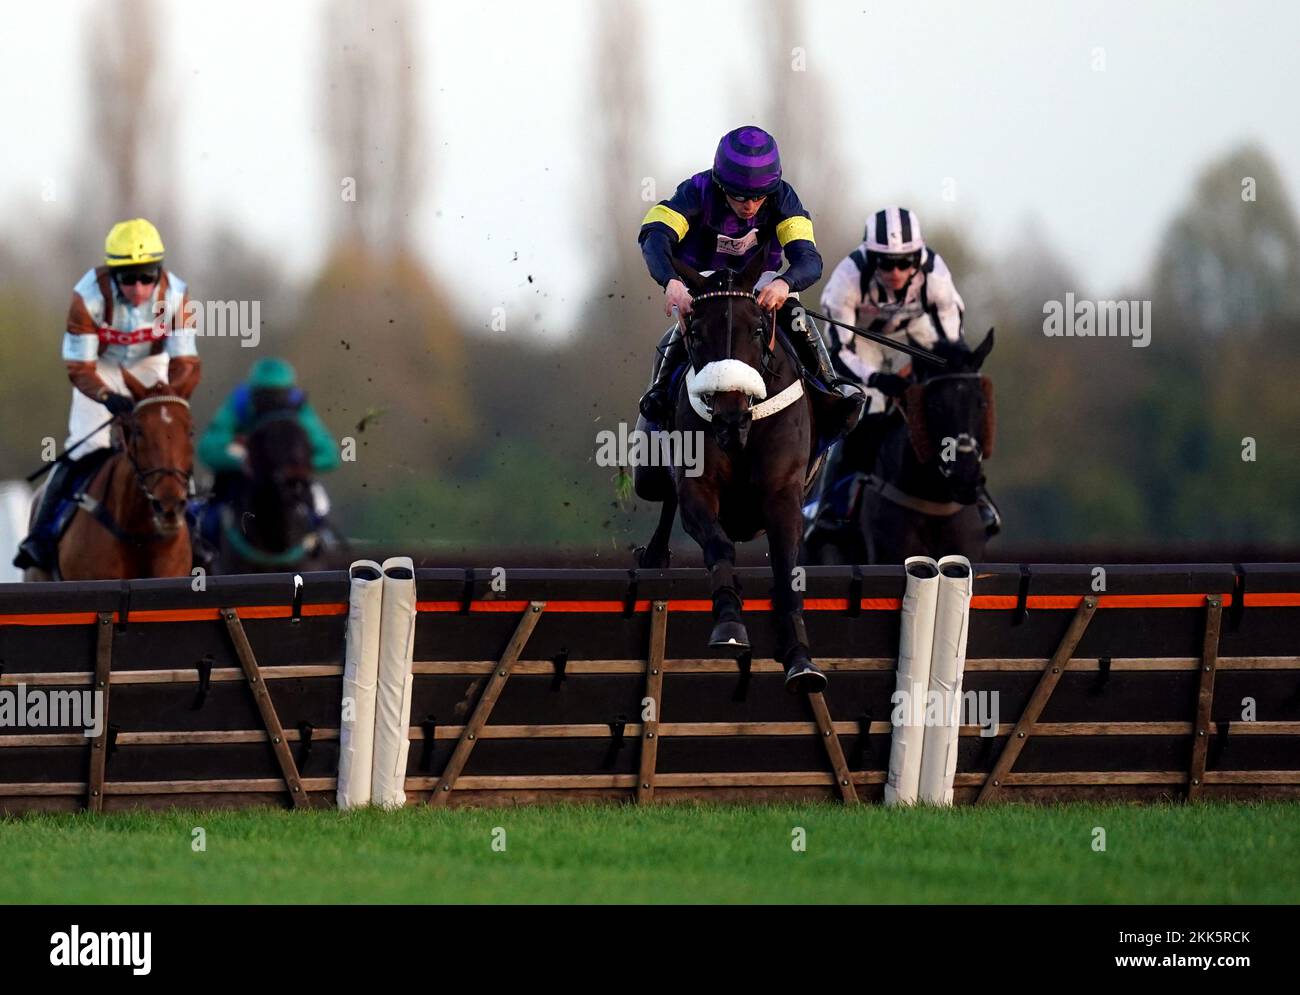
892 283
723 218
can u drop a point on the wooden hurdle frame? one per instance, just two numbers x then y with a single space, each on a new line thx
590 660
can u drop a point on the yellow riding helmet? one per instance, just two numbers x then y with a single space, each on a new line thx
133 243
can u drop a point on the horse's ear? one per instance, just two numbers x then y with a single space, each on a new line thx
982 352
755 268
690 276
137 389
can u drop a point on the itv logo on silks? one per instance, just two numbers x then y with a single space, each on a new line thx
102 949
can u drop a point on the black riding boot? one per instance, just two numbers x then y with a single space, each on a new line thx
989 514
810 346
656 403
39 548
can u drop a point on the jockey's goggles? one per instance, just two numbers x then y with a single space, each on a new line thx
888 263
137 276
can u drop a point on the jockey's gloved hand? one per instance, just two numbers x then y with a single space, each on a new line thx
119 404
889 384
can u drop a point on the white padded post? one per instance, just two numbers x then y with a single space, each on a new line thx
393 698
360 671
947 664
915 640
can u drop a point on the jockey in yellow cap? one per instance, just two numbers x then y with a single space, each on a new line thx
129 312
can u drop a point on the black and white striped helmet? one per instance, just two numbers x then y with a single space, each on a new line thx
894 231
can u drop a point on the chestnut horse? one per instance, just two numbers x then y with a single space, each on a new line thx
131 519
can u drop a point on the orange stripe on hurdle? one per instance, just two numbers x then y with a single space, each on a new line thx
994 602
52 618
285 611
981 602
1278 600
881 604
172 614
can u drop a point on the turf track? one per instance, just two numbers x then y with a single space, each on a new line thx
1200 853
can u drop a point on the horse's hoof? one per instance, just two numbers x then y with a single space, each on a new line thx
729 636
804 677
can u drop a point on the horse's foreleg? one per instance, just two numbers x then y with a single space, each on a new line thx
784 520
699 507
657 553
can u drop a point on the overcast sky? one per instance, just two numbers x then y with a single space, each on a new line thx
1001 97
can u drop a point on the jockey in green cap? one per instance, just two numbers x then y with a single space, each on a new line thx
271 388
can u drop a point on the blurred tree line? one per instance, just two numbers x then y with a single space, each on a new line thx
471 437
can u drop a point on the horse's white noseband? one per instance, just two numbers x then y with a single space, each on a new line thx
731 374
725 375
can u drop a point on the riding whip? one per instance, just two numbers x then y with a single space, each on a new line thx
63 456
911 350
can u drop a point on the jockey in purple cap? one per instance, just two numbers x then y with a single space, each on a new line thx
722 218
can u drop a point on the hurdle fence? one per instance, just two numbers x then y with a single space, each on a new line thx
1172 683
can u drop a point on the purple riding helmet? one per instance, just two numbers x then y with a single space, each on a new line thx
747 163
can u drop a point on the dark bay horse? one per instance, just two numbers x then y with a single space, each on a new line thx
921 499
131 522
743 393
269 521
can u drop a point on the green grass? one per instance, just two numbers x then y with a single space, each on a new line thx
1011 853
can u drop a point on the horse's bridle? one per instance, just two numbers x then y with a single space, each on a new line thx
143 477
966 443
769 349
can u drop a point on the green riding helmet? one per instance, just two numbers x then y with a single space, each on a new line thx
272 373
